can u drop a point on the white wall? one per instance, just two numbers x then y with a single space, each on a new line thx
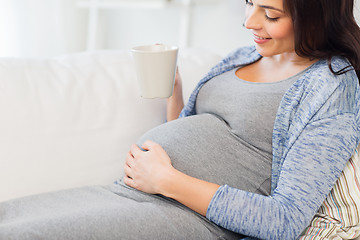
216 26
44 28
41 28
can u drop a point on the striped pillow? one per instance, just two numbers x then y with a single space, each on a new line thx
338 217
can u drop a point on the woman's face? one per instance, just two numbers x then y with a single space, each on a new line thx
272 28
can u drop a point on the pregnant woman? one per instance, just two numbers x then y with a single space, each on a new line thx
254 153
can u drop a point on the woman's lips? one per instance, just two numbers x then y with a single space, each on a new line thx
260 40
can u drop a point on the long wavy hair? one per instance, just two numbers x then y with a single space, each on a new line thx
326 28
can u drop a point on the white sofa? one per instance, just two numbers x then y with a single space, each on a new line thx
69 121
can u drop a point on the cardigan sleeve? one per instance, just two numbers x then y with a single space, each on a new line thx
311 167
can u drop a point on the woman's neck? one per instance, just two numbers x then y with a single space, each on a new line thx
290 59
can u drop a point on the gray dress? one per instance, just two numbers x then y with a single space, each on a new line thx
227 142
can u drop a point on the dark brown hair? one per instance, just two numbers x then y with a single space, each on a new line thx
326 28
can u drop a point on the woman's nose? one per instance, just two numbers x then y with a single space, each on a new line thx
252 20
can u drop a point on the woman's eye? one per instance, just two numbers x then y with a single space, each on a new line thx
271 19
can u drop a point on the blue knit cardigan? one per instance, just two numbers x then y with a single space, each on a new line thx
316 131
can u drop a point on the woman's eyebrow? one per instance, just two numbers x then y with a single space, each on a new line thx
272 8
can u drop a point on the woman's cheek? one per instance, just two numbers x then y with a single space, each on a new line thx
282 31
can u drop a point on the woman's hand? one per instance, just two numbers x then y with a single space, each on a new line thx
151 171
175 103
147 170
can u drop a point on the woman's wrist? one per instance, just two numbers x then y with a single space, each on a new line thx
175 104
167 183
194 193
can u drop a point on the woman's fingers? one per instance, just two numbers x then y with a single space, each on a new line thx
129 160
127 170
129 181
135 150
148 145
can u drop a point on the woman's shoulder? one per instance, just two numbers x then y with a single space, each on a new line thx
336 71
333 92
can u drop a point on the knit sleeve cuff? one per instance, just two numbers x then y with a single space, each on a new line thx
217 204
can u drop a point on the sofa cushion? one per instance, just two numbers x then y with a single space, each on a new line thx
339 217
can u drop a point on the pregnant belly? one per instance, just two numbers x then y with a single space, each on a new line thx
204 147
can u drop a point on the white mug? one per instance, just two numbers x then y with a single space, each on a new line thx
155 67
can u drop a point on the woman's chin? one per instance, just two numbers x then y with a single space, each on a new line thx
264 51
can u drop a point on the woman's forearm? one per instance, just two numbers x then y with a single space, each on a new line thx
192 192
